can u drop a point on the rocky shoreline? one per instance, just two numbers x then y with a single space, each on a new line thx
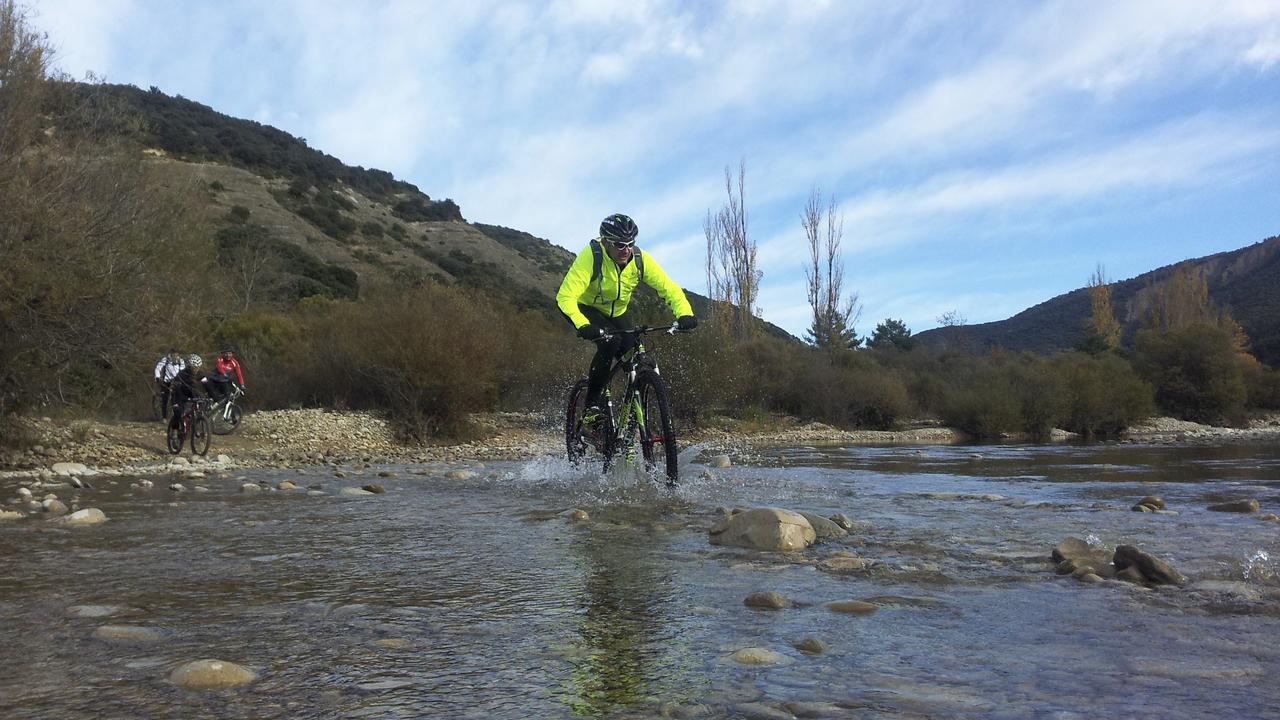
309 437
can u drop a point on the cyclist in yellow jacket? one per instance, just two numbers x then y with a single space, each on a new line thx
596 290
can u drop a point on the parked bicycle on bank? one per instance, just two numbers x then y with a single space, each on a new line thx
641 416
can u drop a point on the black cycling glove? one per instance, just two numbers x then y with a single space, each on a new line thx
686 322
589 332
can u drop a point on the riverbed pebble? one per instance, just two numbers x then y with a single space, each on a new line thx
374 488
211 674
286 485
461 475
575 515
251 488
354 491
720 461
177 487
823 528
54 506
11 515
842 520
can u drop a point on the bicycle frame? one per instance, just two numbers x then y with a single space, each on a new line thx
622 427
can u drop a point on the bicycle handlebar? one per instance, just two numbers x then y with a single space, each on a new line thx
671 329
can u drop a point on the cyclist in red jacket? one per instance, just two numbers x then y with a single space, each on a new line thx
224 366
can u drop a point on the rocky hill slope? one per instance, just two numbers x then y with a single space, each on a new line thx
1246 282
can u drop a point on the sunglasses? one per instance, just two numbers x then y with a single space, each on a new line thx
621 244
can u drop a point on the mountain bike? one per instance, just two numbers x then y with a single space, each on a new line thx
225 414
192 422
642 413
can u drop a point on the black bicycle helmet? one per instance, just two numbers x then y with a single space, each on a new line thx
619 230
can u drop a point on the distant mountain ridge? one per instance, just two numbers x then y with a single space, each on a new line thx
1245 281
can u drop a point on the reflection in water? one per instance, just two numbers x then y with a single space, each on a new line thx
625 610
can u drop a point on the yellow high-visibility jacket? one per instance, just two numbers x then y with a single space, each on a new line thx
611 292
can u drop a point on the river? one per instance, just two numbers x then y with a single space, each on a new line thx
476 598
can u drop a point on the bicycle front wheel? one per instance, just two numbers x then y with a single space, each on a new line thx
657 431
200 436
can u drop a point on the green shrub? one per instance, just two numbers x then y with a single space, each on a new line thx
1262 385
1196 373
1104 393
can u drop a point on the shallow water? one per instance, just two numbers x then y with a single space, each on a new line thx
498 607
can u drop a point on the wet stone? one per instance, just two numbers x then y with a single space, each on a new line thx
1153 502
375 488
842 520
767 601
1152 568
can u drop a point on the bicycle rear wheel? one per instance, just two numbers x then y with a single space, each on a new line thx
200 436
657 431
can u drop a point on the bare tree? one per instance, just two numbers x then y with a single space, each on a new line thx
834 313
951 318
733 279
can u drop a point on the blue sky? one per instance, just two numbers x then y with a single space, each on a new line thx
985 156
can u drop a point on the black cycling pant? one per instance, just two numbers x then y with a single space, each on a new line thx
219 387
606 350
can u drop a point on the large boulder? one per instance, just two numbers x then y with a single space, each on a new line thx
764 529
1152 568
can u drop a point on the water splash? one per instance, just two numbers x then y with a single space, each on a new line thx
1257 566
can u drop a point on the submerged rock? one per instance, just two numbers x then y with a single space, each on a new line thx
851 607
1238 506
127 633
353 491
756 656
720 461
764 529
374 488
211 675
575 515
1153 502
11 515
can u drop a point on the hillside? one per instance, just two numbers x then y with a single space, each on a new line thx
330 228
1246 282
